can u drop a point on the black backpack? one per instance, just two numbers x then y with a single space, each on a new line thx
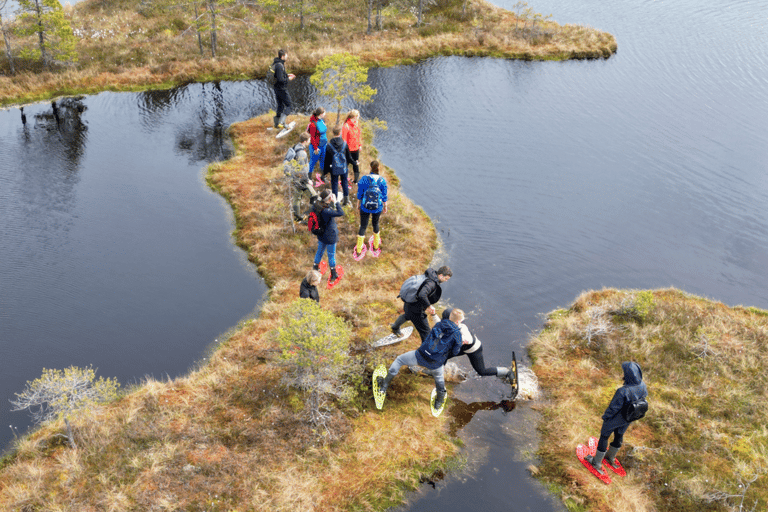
315 223
372 196
271 77
634 409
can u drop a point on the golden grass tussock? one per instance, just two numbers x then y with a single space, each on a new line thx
230 435
703 443
133 45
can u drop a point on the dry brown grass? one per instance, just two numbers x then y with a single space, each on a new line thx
127 45
705 433
228 436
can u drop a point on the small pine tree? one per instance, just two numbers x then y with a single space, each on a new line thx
315 355
46 18
58 394
341 76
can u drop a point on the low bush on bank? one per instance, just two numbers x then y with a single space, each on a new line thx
703 444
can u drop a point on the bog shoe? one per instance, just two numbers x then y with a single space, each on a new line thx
596 461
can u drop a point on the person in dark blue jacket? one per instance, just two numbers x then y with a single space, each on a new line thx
443 341
327 240
372 205
340 173
613 419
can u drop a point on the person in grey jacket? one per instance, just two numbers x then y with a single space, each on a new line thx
613 420
296 166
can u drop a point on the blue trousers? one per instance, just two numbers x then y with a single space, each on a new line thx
313 158
321 248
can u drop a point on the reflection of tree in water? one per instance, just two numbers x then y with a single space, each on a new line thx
61 130
155 105
462 413
205 138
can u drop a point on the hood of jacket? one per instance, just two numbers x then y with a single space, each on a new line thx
277 60
432 275
337 143
633 375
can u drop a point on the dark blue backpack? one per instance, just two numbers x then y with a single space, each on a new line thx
372 196
339 162
437 344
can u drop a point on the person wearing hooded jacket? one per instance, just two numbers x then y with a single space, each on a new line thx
337 145
429 293
613 420
281 89
473 349
447 333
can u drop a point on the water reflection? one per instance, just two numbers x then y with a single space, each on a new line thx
462 412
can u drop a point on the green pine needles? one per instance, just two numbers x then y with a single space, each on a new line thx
314 346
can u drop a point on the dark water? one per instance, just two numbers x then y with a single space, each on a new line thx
545 179
646 170
113 251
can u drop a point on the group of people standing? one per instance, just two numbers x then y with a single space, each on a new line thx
310 162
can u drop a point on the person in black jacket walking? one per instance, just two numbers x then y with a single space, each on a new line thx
281 89
429 293
613 420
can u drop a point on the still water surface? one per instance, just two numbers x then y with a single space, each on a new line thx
545 179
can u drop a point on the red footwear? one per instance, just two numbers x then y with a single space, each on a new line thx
618 468
339 273
583 451
322 267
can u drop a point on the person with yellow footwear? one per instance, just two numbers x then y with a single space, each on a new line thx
372 198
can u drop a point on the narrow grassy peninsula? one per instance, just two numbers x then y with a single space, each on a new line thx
138 44
230 436
703 444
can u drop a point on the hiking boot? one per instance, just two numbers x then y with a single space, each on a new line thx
396 331
440 400
334 275
596 461
610 456
382 385
316 267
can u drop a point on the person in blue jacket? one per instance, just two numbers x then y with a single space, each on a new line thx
445 335
372 205
613 420
327 240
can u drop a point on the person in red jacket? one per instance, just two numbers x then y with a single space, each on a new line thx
352 135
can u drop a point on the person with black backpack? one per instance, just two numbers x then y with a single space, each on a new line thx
295 166
443 341
372 198
279 78
628 404
327 232
418 294
337 158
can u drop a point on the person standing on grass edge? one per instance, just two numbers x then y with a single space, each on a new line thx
295 166
281 89
337 159
326 241
352 135
429 293
372 197
442 342
613 418
318 139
